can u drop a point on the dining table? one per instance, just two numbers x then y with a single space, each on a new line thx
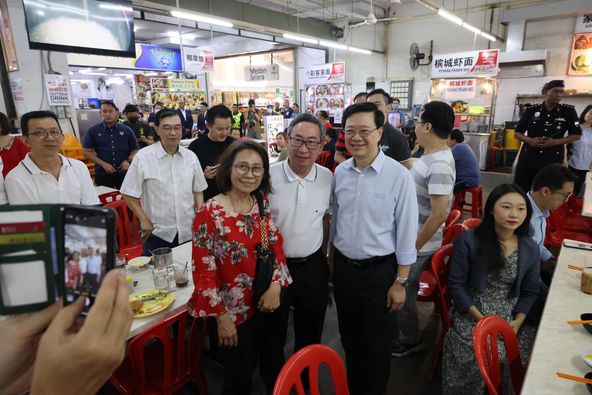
558 345
144 281
587 207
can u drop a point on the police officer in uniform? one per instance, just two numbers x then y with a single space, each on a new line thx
546 124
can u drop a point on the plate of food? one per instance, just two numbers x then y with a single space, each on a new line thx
336 103
459 106
322 90
582 64
147 303
139 262
322 103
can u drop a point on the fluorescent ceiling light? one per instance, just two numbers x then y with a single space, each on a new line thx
360 50
451 17
91 73
331 44
102 68
200 18
488 36
115 7
150 74
471 28
123 75
304 39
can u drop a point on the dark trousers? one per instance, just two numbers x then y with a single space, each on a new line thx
154 242
529 164
257 340
110 180
581 179
365 324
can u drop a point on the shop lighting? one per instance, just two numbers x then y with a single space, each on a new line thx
331 44
200 18
304 39
102 68
91 73
360 50
471 28
150 74
123 75
451 17
116 81
488 36
116 7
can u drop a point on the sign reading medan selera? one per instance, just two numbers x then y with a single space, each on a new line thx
482 63
329 72
56 87
264 72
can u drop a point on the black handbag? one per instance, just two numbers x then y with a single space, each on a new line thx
265 257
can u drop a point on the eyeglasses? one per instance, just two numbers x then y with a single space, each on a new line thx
168 129
243 169
565 195
310 144
362 133
42 134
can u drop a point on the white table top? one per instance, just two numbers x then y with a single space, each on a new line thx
557 345
101 190
587 209
181 254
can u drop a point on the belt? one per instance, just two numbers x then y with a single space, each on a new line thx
306 259
368 262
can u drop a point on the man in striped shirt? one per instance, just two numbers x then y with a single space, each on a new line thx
434 175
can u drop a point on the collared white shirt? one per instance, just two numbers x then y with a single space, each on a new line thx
375 210
165 184
298 206
538 224
27 184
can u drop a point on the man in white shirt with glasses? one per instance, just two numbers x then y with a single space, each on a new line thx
44 176
168 181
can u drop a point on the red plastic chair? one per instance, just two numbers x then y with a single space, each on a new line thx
471 223
485 343
476 204
453 216
559 228
440 268
311 358
452 232
110 197
161 360
128 230
427 286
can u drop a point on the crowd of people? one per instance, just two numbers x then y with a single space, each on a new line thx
371 227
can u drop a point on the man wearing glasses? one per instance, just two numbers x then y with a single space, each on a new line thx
45 176
373 234
168 179
300 206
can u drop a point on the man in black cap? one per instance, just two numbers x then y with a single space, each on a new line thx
546 124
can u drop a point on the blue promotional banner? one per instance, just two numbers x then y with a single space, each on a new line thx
153 57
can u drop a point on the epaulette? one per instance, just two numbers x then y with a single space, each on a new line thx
567 105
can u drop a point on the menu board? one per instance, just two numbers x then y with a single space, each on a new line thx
580 61
328 97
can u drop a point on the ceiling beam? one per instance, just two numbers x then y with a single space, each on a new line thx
553 9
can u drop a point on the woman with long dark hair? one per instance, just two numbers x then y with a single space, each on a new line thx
494 271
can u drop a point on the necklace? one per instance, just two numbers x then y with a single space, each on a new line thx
236 206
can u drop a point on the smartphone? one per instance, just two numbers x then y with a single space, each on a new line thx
89 251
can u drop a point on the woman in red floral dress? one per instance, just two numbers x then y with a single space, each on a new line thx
226 232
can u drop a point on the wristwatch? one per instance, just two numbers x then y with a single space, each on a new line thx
404 281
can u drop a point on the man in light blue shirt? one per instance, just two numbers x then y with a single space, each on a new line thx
373 234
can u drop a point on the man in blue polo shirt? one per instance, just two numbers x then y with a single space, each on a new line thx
111 146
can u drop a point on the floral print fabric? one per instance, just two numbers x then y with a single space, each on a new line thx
224 260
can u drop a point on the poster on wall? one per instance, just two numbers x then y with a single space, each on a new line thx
482 63
584 24
325 73
16 86
580 61
328 97
460 89
273 124
143 88
198 60
153 57
56 87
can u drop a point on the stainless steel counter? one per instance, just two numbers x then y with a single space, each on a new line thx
473 140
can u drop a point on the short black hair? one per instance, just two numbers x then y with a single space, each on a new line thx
323 114
203 103
108 103
552 176
360 94
251 102
440 116
296 104
380 91
131 108
159 103
227 161
36 115
457 135
363 107
165 113
5 127
307 118
219 111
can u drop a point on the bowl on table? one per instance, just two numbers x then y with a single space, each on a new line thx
139 262
587 317
586 354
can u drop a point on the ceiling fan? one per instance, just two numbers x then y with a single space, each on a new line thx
371 19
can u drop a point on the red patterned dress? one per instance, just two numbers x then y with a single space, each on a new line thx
224 261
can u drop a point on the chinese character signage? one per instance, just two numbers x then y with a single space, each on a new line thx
580 61
173 84
264 72
330 72
584 24
198 60
153 57
460 89
466 64
56 87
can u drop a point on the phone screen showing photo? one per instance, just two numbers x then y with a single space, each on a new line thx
85 254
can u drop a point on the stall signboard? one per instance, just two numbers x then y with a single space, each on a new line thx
273 124
177 84
325 73
153 57
198 60
482 63
584 24
460 89
580 61
56 87
328 97
264 72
